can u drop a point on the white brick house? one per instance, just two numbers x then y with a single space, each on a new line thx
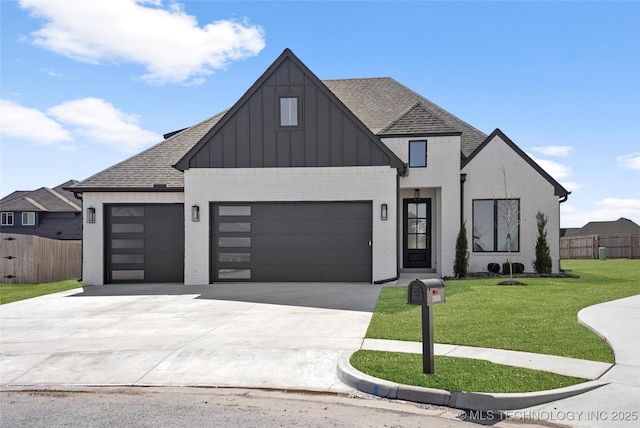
310 180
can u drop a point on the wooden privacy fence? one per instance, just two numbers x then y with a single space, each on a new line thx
29 259
588 247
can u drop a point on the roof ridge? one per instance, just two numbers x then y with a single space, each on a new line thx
35 204
61 197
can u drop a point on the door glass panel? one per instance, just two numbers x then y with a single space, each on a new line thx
412 210
127 211
234 257
421 242
127 243
234 242
127 275
234 227
127 228
234 273
234 211
127 258
412 242
422 210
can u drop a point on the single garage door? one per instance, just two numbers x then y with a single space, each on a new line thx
145 243
302 241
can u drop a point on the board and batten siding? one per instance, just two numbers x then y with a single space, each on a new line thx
251 135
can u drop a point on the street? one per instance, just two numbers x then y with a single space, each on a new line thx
221 407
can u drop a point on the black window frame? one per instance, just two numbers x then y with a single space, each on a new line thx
4 216
422 164
496 227
298 124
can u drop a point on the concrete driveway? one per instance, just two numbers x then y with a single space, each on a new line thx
286 336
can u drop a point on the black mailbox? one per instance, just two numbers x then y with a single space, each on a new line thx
426 292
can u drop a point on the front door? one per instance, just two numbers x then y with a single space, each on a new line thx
417 233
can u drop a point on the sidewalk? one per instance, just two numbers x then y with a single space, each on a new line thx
611 399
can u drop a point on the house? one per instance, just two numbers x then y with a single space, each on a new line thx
310 180
49 213
622 226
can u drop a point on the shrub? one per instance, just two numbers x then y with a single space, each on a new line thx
542 262
517 268
462 258
493 268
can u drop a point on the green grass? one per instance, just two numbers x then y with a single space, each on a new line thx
14 292
540 317
457 374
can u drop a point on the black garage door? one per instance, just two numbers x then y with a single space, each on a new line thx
145 243
309 242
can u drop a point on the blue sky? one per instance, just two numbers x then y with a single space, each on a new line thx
87 84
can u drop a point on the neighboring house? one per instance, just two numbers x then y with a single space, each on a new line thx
49 213
622 226
310 180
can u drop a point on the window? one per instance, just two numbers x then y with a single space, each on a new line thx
496 223
7 219
417 154
288 111
29 219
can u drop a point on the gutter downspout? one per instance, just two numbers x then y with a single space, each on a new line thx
463 178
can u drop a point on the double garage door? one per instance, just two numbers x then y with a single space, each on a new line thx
307 242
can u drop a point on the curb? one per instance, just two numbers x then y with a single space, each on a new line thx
459 400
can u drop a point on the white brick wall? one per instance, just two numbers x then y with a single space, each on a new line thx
203 186
440 181
485 180
93 234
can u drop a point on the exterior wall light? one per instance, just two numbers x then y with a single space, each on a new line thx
91 215
384 212
195 213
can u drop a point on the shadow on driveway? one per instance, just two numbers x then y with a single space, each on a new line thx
343 296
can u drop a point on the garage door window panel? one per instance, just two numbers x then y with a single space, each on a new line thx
234 273
226 211
240 242
129 211
231 227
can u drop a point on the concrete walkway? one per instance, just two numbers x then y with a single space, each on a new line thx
611 400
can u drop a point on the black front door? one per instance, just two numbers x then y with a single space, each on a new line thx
417 233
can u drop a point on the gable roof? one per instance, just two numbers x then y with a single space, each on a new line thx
559 189
622 226
380 102
381 106
287 73
42 199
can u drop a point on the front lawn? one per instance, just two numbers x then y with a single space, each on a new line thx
540 317
457 374
14 292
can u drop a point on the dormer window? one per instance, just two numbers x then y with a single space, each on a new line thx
29 218
289 111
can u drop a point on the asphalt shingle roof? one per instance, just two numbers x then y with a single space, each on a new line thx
385 106
42 199
622 226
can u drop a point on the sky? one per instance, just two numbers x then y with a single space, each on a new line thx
87 84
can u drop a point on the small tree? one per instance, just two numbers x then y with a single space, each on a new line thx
542 262
509 211
462 258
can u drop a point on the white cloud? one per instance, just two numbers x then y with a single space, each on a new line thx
631 161
169 43
558 151
608 209
554 169
30 124
99 121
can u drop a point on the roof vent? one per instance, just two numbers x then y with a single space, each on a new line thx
159 186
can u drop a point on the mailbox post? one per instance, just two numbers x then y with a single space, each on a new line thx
426 293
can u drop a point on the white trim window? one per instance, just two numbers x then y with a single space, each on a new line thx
289 111
7 218
29 218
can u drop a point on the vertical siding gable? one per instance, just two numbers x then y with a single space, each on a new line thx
251 137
